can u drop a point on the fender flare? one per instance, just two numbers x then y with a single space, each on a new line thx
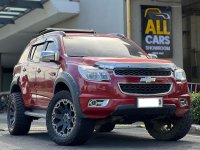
14 82
74 89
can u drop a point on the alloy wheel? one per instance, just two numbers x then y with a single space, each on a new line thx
63 117
12 114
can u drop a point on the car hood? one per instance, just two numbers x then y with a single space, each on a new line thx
112 63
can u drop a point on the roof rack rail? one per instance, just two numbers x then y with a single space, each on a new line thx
119 35
48 30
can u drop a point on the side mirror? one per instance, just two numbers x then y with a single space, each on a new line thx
48 56
152 56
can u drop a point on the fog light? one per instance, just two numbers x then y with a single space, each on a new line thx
98 102
183 102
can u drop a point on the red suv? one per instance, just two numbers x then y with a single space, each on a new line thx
81 81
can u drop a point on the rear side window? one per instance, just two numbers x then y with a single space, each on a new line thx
32 52
24 55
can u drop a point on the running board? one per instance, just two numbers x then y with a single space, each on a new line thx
36 113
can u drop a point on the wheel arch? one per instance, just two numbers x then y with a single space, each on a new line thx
14 87
60 86
66 82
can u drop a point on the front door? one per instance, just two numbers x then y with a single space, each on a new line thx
45 77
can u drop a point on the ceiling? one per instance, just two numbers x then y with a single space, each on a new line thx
20 20
191 7
10 10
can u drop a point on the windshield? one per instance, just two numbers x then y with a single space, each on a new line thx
79 46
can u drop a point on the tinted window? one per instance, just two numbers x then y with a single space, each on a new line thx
78 46
37 52
51 46
24 55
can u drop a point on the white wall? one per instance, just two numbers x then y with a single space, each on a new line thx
176 25
104 16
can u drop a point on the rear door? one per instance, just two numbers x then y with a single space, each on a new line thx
26 81
45 76
32 69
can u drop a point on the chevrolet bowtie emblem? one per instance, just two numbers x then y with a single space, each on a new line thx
147 80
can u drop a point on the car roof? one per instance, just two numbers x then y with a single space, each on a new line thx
72 32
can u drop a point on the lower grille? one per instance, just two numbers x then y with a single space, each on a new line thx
145 88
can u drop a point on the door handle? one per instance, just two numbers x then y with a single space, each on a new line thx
38 70
24 69
52 73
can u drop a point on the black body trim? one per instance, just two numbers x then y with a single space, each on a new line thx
69 81
14 82
132 112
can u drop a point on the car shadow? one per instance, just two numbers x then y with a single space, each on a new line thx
116 140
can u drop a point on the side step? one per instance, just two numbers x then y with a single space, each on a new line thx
36 113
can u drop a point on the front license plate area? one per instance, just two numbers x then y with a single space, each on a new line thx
150 102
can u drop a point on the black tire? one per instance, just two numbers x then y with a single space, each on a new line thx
18 122
63 113
107 127
169 129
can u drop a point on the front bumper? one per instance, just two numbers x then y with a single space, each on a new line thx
118 99
128 108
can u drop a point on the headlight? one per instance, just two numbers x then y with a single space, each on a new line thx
180 75
93 74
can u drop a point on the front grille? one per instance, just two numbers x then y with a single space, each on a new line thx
142 72
145 88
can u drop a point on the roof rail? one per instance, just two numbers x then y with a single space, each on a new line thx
48 30
119 35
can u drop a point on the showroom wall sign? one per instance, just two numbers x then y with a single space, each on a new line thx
157 30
